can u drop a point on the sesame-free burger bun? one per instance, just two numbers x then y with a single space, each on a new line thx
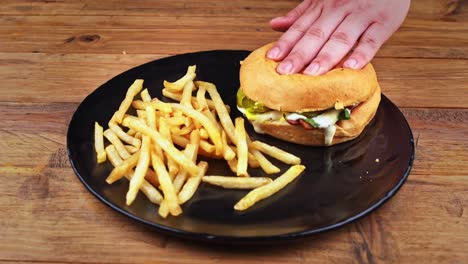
345 129
260 82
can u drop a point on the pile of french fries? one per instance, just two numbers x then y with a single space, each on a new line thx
157 149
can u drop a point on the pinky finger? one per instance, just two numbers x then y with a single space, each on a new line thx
370 42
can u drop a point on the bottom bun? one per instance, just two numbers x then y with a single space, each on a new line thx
345 129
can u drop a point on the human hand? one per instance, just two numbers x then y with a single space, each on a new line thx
320 33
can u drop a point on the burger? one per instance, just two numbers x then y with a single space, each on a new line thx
309 110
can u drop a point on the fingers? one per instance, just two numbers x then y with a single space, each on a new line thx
284 22
310 44
286 42
368 46
338 45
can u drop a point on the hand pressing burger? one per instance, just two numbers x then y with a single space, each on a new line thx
311 110
320 33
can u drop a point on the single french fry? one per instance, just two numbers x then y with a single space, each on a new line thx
165 132
149 191
114 140
208 147
228 154
195 140
192 183
163 209
134 89
99 143
206 122
180 141
140 170
201 99
187 94
237 182
131 132
151 177
191 152
165 144
151 121
138 135
165 182
232 165
276 153
131 149
242 148
203 133
145 96
124 136
264 163
178 85
269 189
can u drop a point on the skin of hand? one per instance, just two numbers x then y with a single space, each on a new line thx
318 34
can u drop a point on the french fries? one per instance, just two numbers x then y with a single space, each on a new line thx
124 136
192 183
178 85
237 182
134 89
123 168
242 150
170 196
178 97
169 148
149 190
269 189
112 137
165 140
140 171
221 109
213 132
145 96
99 143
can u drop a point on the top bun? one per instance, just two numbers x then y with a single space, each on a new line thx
302 93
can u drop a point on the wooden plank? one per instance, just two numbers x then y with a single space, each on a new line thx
409 41
448 10
38 77
241 8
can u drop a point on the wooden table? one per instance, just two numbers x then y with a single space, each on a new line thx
55 52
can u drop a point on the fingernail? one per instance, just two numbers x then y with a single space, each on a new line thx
273 53
285 67
351 63
313 69
277 19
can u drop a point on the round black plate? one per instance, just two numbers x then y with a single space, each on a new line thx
341 183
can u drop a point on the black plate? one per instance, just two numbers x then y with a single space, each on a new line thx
341 183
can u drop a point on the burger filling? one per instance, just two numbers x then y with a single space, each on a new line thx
256 112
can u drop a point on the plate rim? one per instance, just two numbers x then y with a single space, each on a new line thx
237 239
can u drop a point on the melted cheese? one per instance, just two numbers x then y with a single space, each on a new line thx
324 121
329 134
327 119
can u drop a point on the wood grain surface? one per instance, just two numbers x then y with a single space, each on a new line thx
55 52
